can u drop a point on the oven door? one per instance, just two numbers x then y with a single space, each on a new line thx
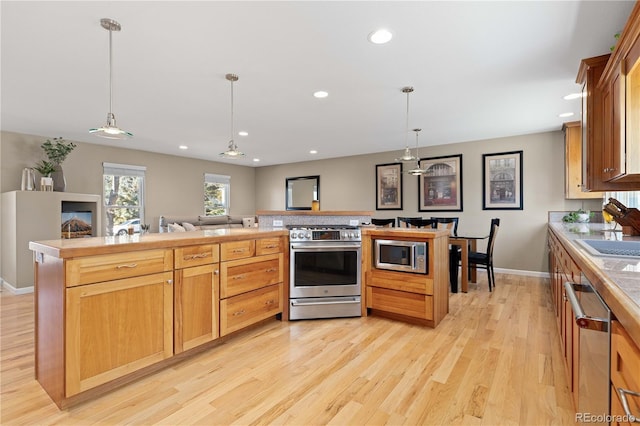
325 269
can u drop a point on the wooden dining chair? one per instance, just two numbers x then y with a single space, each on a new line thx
485 260
403 222
390 223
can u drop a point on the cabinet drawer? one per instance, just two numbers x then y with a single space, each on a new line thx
241 276
402 281
625 364
400 302
237 250
248 308
269 246
107 267
196 255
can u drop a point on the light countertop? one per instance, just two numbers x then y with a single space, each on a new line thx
617 279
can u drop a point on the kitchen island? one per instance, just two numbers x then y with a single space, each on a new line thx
112 309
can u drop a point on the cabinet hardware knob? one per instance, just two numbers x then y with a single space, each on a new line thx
216 272
130 265
169 282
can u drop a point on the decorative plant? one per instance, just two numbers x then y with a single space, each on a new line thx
57 150
45 168
576 216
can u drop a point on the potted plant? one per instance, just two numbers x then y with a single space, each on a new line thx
579 216
57 151
45 168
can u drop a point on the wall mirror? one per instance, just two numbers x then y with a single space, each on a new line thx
301 191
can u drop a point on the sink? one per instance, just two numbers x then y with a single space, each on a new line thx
611 248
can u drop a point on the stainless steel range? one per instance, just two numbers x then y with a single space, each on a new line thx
324 272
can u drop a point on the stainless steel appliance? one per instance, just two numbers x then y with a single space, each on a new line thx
325 268
593 317
404 256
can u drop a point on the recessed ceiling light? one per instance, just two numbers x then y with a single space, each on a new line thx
243 133
380 36
256 160
321 94
313 151
571 96
183 147
565 114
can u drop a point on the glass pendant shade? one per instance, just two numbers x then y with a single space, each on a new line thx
110 130
406 155
232 152
416 171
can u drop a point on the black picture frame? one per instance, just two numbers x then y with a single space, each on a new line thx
389 186
502 181
440 188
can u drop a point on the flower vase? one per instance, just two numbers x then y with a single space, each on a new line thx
59 182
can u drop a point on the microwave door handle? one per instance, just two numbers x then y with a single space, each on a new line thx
413 256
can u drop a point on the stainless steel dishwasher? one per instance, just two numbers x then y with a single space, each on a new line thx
593 316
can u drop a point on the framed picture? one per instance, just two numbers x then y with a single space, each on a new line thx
440 188
502 181
389 186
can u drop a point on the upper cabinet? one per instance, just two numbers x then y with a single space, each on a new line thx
573 162
611 114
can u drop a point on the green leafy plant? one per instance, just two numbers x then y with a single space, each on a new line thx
57 150
575 216
45 168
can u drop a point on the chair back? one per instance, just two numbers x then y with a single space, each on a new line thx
495 225
450 223
390 223
403 222
421 223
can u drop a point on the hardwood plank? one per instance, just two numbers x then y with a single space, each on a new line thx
494 359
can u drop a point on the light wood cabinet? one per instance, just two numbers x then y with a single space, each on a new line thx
420 298
573 163
564 269
625 374
116 327
196 296
251 282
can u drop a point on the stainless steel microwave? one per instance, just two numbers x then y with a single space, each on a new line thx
404 256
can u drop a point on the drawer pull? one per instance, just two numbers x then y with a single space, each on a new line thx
625 404
130 265
270 246
270 302
240 250
271 270
238 313
196 256
239 277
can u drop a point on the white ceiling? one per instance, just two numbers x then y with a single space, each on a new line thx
480 70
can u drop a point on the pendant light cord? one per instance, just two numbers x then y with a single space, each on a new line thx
406 133
110 73
231 127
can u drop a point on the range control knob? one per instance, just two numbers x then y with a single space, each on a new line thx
307 235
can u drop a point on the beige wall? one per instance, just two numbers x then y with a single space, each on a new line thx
174 185
348 183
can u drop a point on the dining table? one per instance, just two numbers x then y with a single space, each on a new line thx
466 244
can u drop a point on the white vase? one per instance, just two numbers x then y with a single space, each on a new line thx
46 184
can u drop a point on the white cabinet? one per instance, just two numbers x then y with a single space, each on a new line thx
37 216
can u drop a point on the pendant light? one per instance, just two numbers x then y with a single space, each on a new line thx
417 170
406 156
232 152
110 130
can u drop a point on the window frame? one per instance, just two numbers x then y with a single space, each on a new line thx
114 169
217 179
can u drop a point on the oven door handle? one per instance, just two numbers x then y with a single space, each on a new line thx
330 302
583 320
320 247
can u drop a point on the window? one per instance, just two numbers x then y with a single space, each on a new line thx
216 194
628 198
123 194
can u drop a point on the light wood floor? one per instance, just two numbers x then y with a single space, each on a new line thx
494 360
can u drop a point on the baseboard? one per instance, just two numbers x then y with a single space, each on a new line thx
22 290
520 272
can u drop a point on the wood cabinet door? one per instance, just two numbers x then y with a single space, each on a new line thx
117 327
196 298
573 163
625 365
